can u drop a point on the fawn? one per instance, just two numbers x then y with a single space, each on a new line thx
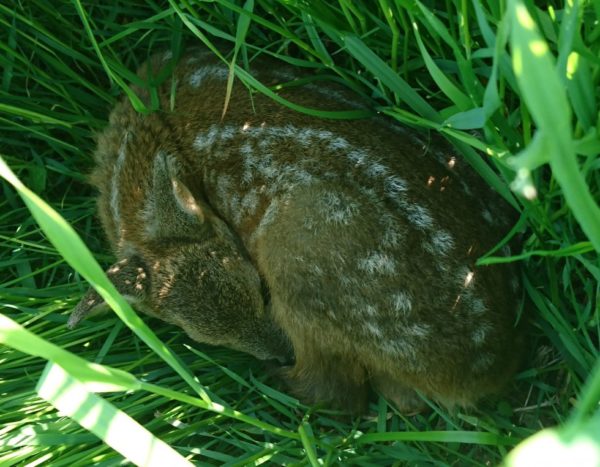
350 245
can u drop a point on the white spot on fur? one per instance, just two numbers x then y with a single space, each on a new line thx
439 243
249 202
246 149
227 133
487 216
401 302
394 186
418 330
475 305
373 329
310 224
336 209
375 169
377 263
267 169
208 71
357 157
338 143
419 216
250 162
287 131
397 347
207 139
255 132
478 336
370 310
264 143
323 134
348 283
292 175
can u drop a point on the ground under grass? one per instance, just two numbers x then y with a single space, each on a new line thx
498 79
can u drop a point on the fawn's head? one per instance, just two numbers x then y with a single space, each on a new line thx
190 271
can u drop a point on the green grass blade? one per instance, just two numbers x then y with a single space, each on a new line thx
469 120
379 68
98 378
581 91
76 253
240 34
446 86
307 437
332 114
220 409
32 115
465 437
315 40
533 64
588 402
102 418
135 100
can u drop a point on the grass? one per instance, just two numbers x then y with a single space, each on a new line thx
513 86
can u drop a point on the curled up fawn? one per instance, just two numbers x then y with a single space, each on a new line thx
346 247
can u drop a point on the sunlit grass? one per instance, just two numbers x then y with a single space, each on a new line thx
496 78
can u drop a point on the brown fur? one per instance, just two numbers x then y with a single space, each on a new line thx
365 236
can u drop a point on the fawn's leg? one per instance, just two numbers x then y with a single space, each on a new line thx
406 400
327 380
324 375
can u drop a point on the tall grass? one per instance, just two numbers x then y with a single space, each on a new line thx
513 85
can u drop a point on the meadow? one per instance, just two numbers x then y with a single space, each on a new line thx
512 84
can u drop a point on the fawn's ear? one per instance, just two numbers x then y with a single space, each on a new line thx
170 191
167 176
171 209
130 277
